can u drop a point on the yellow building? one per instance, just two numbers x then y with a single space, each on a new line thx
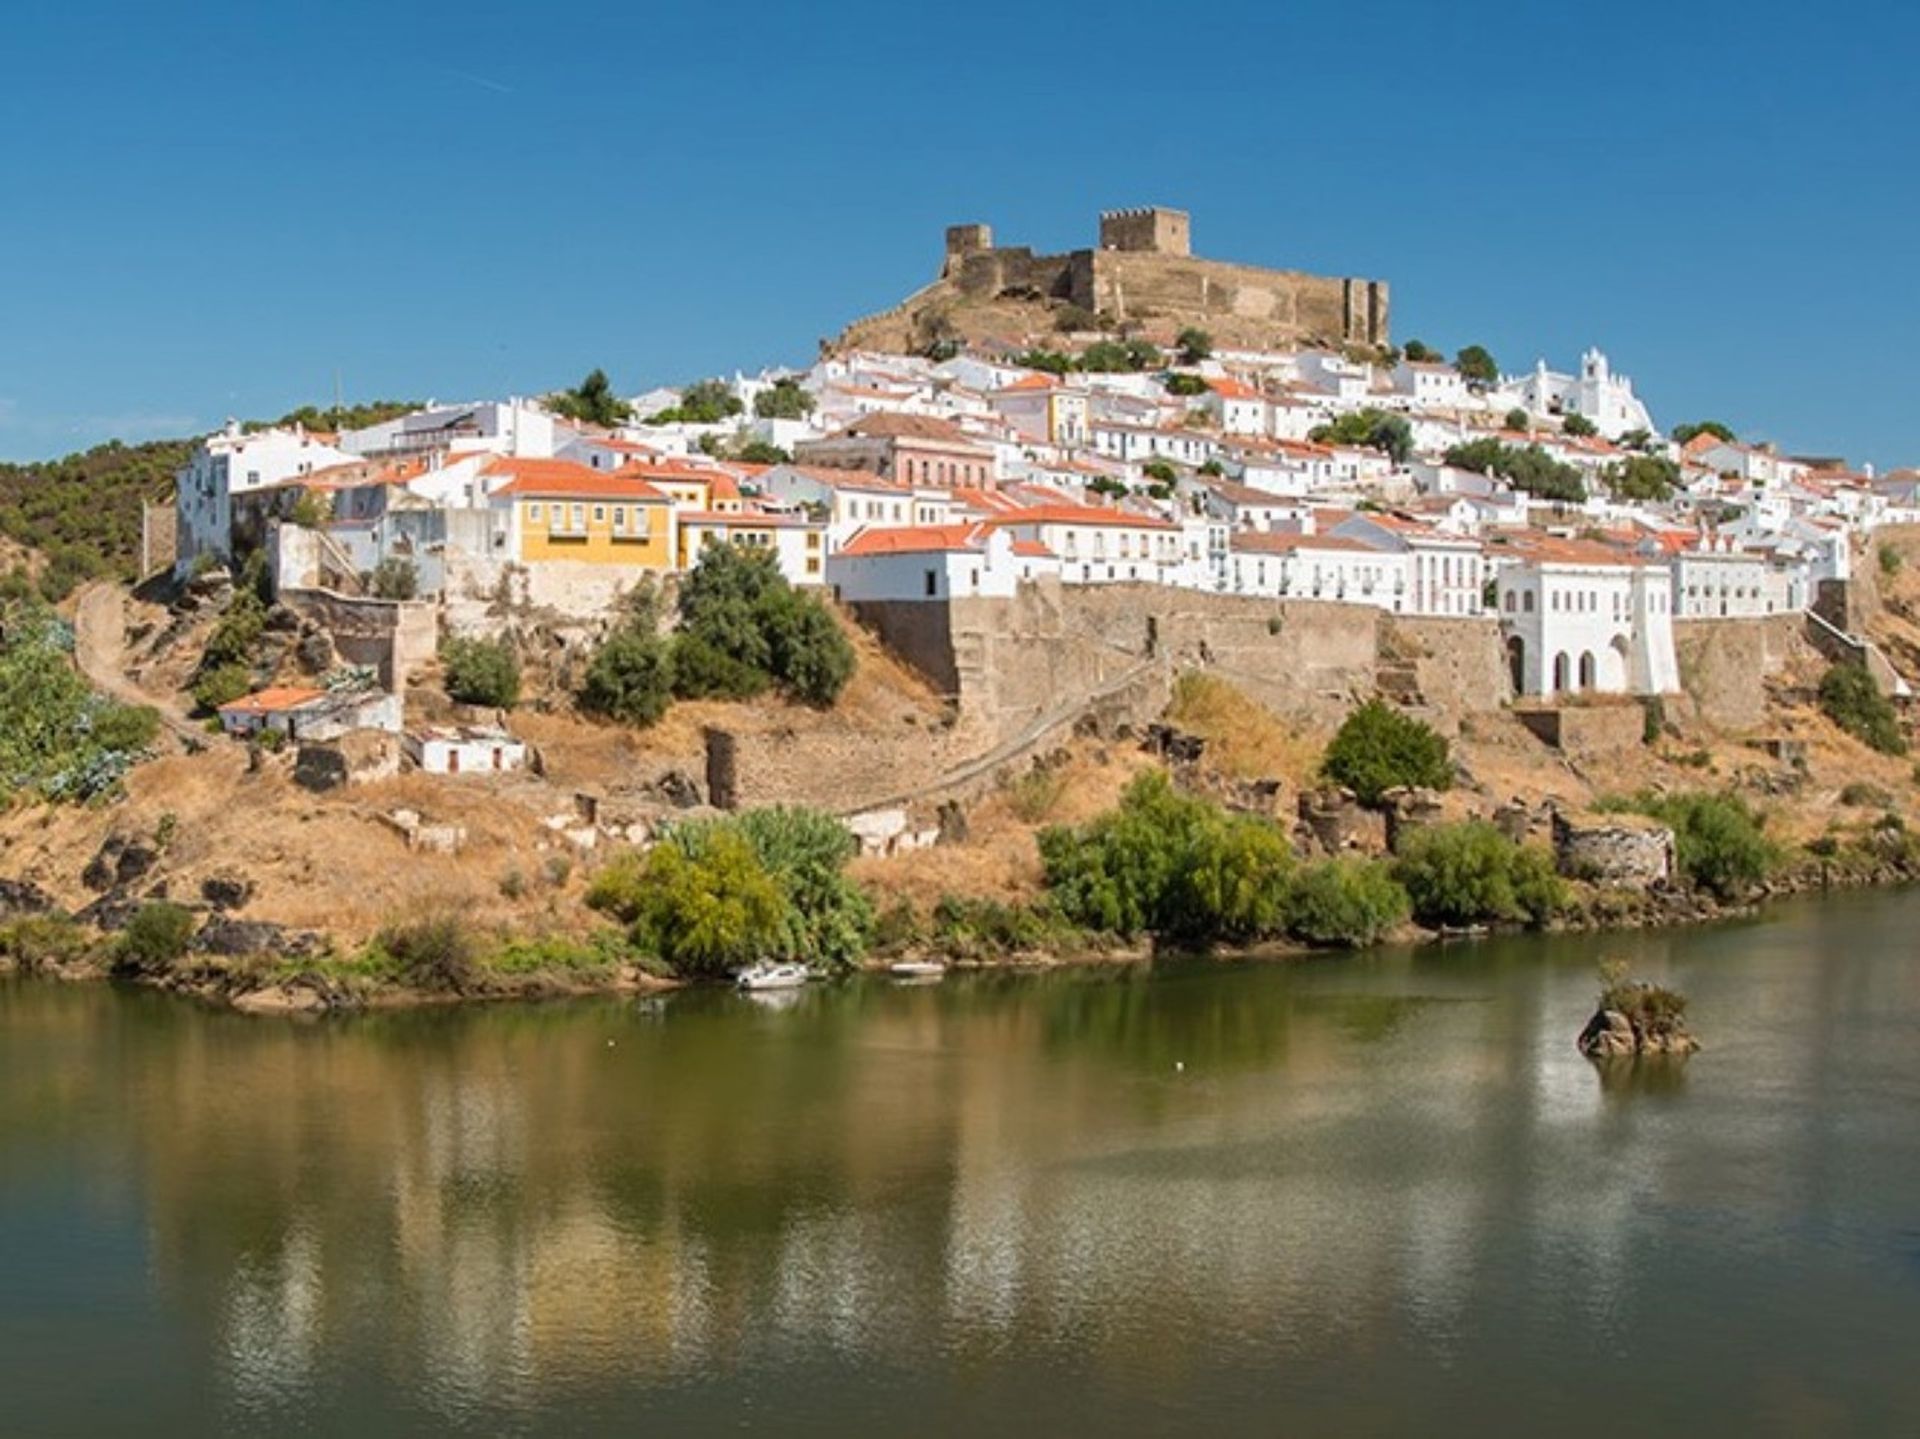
558 510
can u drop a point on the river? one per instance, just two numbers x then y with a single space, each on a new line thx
1376 1194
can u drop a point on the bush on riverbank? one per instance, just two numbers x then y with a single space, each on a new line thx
717 894
1346 901
155 939
1470 873
1719 841
1169 864
42 942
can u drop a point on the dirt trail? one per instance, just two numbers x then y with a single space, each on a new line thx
100 648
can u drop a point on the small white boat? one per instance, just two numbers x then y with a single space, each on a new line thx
773 976
917 969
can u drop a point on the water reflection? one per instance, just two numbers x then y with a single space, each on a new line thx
1134 1188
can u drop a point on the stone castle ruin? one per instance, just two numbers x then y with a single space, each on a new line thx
1142 278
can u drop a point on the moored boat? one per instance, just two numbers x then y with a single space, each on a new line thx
773 976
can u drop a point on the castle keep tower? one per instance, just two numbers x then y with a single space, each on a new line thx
1151 229
964 240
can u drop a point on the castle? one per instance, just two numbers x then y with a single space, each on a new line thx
1143 277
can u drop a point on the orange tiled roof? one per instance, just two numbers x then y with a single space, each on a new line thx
915 539
273 700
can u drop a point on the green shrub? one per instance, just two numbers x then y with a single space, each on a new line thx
630 678
481 672
1033 795
708 915
41 942
743 627
1470 873
1889 559
1718 839
1378 748
1169 864
794 899
394 578
221 685
439 954
58 740
1653 719
1860 794
1345 901
1853 701
988 928
155 938
1654 1010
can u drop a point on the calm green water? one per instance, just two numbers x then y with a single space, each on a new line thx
1384 1196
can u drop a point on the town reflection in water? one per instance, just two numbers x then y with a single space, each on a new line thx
1332 1170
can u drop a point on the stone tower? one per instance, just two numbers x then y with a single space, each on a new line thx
1153 229
964 240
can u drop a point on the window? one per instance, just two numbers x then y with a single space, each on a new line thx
533 512
619 519
933 583
579 517
599 514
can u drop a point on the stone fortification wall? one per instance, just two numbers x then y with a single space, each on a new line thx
1253 302
1725 664
1459 666
1010 662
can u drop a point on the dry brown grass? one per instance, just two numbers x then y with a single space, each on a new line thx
1245 740
999 859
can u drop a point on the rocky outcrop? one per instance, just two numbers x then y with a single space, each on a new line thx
1636 1018
1334 821
247 938
120 861
19 899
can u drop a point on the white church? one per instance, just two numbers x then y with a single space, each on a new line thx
1596 393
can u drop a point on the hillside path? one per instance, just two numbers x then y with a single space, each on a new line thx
100 653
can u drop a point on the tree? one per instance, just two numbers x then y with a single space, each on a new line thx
1526 467
1682 433
1579 426
1186 386
1377 748
743 627
1719 839
630 678
1851 699
784 401
481 672
1347 901
1642 477
759 452
706 402
1518 419
1470 872
1050 362
1417 353
1194 344
1477 365
1376 429
1159 470
1169 864
592 401
711 913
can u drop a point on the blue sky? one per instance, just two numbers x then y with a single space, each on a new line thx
213 209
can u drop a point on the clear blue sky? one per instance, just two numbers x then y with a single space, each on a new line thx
213 208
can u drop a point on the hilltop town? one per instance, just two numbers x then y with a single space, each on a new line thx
1050 502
